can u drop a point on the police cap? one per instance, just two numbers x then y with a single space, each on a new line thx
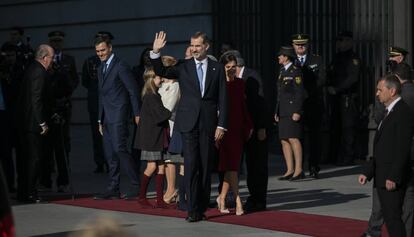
56 35
300 39
397 51
287 51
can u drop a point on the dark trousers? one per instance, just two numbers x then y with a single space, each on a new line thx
199 153
6 145
98 155
391 205
28 166
376 219
343 129
55 151
115 137
313 147
257 170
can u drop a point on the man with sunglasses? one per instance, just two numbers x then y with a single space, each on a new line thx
313 71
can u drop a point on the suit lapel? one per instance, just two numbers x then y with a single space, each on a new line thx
385 121
192 71
209 76
108 70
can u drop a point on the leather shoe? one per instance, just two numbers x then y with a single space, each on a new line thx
131 195
287 177
108 195
314 172
298 177
195 217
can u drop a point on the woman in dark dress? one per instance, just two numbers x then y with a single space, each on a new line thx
290 97
239 131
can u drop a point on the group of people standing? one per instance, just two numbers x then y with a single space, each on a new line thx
187 112
36 89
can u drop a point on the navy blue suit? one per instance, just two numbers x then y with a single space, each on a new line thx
197 119
118 93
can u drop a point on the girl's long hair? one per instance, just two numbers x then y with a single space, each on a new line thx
149 86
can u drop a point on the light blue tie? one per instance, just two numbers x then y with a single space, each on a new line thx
302 61
105 67
200 76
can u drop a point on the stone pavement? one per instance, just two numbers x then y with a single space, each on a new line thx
336 193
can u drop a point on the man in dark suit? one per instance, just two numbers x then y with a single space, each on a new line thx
403 72
90 82
201 115
118 92
313 71
33 113
390 166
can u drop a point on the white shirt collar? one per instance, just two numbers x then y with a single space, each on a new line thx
241 72
109 60
389 107
287 65
204 61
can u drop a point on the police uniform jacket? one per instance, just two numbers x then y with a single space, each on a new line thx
313 71
344 72
291 92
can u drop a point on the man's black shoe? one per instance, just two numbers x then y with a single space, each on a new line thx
131 195
195 217
250 207
314 172
108 195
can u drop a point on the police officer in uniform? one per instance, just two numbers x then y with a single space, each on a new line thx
63 81
313 71
90 82
343 80
396 55
24 51
288 113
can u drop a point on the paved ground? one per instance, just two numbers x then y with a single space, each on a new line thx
336 193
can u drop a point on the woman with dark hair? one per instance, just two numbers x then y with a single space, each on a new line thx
239 131
289 107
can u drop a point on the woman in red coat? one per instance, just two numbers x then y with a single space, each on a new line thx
239 131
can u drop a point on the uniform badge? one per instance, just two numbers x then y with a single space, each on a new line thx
355 61
298 80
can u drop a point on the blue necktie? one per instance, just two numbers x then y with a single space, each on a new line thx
105 67
200 76
302 61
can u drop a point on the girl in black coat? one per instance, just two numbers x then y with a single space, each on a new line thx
152 137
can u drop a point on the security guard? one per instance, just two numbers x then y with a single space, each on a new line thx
313 70
90 82
396 55
343 80
288 113
63 81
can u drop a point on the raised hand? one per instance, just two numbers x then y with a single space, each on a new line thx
159 41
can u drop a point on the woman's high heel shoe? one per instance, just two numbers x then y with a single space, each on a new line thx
298 177
172 198
220 208
239 212
287 177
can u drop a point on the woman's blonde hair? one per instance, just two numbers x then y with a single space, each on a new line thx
149 86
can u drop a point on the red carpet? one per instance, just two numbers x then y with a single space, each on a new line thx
285 221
